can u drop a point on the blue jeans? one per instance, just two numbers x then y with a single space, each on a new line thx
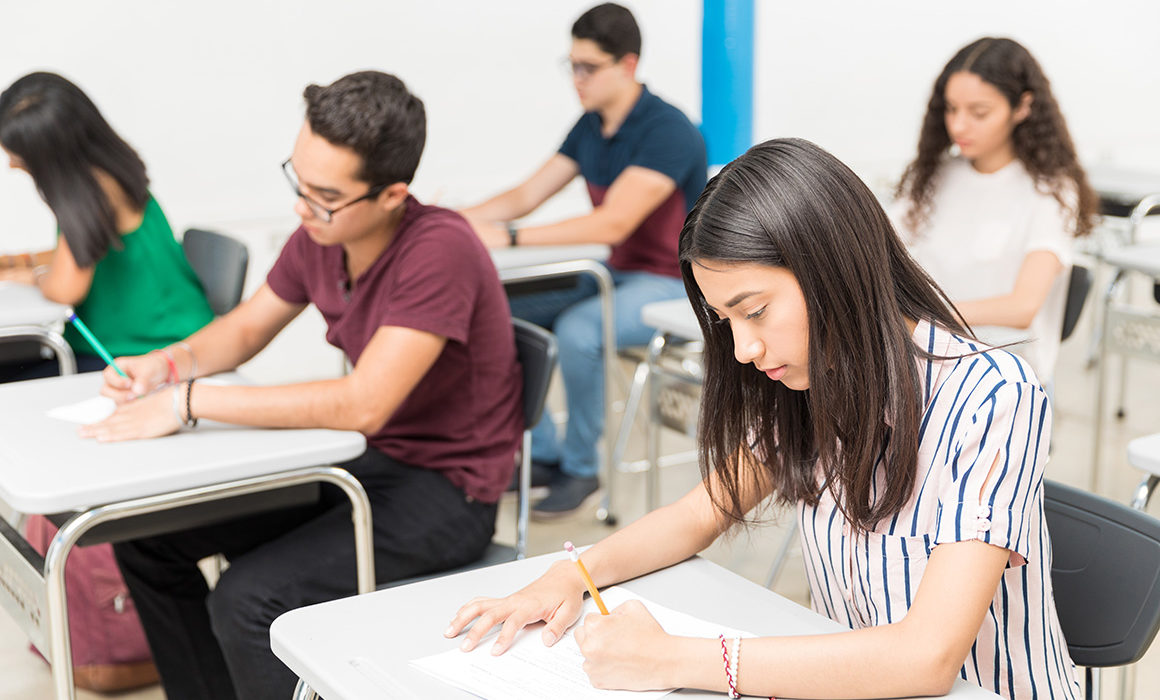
574 316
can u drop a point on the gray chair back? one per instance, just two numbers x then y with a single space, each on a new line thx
1078 286
1106 575
220 263
536 350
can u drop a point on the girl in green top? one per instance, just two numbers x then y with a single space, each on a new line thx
116 260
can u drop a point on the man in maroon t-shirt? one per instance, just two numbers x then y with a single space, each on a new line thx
411 296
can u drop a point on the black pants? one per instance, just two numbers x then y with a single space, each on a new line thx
36 368
217 644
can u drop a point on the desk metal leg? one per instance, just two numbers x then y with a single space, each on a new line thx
1101 380
48 338
59 644
303 692
653 428
606 291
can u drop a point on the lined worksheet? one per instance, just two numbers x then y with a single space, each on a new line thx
531 671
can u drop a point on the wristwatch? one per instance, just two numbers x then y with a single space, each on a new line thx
513 234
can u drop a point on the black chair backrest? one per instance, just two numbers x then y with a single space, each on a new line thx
220 263
536 350
1077 293
1106 575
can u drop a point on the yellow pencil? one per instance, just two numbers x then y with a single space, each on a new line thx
587 579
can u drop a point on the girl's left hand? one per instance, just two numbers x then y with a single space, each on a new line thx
147 417
625 649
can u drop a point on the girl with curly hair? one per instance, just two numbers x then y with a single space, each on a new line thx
991 201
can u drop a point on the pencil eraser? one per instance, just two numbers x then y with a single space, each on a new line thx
568 547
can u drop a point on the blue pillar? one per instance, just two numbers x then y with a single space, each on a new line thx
727 78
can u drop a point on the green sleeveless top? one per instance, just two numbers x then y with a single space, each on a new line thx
143 296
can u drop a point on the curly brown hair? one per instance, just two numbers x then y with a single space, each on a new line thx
1041 141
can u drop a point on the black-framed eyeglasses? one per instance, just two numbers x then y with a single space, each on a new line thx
582 70
326 214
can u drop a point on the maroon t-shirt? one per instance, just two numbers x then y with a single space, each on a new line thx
465 416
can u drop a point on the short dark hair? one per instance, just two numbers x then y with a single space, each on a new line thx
374 115
612 27
53 126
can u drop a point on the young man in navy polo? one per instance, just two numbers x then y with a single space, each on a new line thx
644 163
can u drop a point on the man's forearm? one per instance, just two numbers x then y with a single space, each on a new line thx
319 404
502 207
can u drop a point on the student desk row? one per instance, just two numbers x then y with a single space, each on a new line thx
26 315
360 647
133 489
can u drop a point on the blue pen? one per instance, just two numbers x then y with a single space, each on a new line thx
84 330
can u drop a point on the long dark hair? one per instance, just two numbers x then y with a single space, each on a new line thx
1041 141
51 125
787 203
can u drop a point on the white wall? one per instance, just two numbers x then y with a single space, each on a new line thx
210 92
855 76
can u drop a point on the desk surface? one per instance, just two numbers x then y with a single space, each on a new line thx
675 316
524 256
45 467
1122 185
383 631
22 305
1140 257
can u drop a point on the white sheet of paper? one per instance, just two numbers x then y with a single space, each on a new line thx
84 412
99 408
531 671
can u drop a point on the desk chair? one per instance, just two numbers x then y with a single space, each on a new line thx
220 263
1079 285
537 352
1106 575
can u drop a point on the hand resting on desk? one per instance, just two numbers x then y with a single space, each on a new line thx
556 598
147 417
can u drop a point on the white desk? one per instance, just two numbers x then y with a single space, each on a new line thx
1121 188
383 631
526 263
26 315
45 467
674 317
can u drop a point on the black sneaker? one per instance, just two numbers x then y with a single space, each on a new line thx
543 474
566 495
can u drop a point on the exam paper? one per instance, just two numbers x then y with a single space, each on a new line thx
99 408
531 671
84 412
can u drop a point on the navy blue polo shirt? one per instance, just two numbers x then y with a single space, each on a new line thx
657 136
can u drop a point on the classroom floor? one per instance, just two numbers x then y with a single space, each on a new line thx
25 677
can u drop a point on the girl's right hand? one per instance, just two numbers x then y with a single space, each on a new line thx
556 598
145 373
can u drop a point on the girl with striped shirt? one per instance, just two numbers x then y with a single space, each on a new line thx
838 377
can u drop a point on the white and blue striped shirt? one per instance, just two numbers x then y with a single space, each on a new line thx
976 407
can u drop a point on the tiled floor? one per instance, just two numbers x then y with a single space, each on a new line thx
24 677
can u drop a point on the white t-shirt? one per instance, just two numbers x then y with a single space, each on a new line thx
980 229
